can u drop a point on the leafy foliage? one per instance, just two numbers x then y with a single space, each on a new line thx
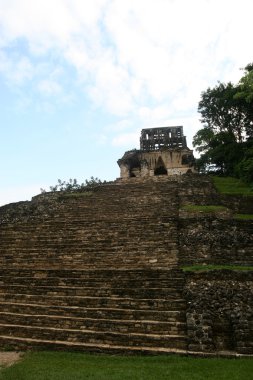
73 186
246 85
226 140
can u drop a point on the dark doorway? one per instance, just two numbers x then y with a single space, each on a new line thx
160 168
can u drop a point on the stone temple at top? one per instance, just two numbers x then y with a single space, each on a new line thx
163 151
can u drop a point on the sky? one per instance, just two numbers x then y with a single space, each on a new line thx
79 79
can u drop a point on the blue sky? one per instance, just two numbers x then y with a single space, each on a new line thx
79 79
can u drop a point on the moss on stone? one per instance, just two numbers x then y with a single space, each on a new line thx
244 216
197 268
232 186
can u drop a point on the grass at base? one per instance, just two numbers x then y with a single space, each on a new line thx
77 366
230 185
197 268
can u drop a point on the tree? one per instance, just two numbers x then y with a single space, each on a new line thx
244 168
245 90
227 115
245 94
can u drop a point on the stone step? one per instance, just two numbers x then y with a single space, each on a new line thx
109 302
83 249
98 337
129 210
105 242
85 262
113 325
122 229
88 256
71 224
86 217
84 234
97 274
95 313
104 282
246 348
70 265
19 343
98 288
85 237
148 293
92 247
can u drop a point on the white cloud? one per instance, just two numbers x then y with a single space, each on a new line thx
168 43
130 140
121 125
16 71
129 54
49 87
111 86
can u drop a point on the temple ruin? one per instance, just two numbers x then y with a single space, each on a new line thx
163 151
105 269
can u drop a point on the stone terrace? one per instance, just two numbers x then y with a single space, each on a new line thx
100 271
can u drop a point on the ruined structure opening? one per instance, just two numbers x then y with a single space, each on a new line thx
187 159
160 168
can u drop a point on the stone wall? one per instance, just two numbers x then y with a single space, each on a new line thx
40 207
219 311
217 237
240 204
215 240
169 161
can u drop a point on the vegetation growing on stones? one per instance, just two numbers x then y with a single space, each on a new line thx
198 268
232 186
244 216
73 186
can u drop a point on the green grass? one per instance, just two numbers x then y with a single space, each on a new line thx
77 366
244 216
204 208
197 268
230 185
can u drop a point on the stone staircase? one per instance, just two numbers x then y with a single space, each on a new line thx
95 272
124 309
99 271
114 227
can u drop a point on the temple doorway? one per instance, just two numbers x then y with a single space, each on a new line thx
160 168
